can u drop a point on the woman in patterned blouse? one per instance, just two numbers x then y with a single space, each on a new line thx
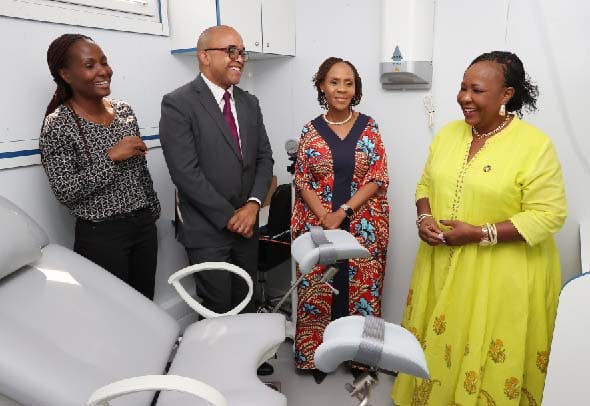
95 162
341 182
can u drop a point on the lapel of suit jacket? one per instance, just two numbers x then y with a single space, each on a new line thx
206 98
242 111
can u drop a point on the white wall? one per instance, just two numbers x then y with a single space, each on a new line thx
550 39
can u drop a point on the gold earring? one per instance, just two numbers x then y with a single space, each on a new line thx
502 111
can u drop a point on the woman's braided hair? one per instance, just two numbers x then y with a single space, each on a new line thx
57 58
525 91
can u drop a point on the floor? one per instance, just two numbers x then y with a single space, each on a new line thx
301 389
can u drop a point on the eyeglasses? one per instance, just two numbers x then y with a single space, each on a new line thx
232 51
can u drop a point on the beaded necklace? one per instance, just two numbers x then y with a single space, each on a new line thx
493 132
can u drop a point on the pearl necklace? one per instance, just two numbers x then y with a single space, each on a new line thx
346 120
493 132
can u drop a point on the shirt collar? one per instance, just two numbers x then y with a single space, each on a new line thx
217 91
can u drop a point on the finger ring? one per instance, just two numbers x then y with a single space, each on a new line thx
441 236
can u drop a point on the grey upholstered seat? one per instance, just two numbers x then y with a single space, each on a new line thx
69 327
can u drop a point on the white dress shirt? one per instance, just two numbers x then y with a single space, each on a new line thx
218 93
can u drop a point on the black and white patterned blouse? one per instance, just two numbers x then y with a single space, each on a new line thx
81 174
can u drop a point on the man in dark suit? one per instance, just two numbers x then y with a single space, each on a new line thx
220 160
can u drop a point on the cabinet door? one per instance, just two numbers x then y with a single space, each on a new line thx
278 27
244 16
187 20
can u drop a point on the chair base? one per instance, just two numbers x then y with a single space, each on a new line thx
269 304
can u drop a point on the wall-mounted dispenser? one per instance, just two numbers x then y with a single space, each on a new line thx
407 33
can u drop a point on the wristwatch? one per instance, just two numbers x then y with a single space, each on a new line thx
347 210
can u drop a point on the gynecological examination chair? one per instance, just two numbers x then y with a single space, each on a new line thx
68 328
366 341
73 334
567 372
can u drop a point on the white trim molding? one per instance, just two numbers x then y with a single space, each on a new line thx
14 154
140 16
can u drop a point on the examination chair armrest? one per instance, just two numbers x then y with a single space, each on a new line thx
175 278
102 396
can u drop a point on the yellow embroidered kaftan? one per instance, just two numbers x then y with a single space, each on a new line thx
485 315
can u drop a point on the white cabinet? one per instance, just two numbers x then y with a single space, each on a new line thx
267 26
278 27
188 18
244 16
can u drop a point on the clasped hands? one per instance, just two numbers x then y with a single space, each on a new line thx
332 220
244 219
459 233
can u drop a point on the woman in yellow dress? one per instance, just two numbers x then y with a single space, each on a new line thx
483 295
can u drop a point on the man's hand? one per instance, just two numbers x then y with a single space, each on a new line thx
126 148
244 219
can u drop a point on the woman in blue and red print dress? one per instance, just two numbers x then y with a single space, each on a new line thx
341 182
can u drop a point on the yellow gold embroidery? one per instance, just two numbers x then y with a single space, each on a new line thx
422 392
414 331
497 352
512 388
448 349
410 297
542 360
470 383
440 325
484 394
529 396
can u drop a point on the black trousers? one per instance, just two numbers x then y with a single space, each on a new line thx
221 290
127 248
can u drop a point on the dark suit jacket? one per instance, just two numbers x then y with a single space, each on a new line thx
211 178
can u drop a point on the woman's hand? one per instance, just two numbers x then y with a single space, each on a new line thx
332 221
126 148
461 233
429 232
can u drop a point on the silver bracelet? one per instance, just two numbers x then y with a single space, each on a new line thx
489 235
421 218
493 234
